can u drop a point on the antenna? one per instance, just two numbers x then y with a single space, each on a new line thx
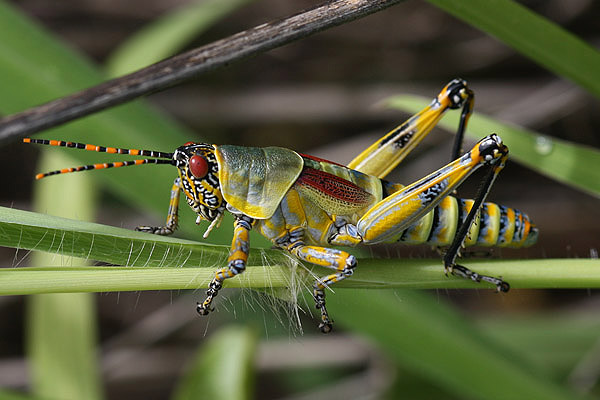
160 157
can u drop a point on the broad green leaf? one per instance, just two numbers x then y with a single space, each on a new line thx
566 162
433 341
163 37
533 36
223 368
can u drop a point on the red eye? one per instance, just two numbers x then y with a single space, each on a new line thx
198 166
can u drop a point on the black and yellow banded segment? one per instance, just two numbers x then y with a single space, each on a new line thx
103 166
168 157
100 149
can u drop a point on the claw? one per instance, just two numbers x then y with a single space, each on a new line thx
447 270
503 286
202 310
213 289
464 272
325 327
326 324
156 230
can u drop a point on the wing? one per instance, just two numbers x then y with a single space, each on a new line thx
331 193
254 180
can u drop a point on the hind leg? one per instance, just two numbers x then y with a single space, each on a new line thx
385 154
395 213
344 264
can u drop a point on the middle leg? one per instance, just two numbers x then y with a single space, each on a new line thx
238 255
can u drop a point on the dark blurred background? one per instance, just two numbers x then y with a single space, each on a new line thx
321 96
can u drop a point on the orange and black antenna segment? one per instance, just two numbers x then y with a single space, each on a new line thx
160 157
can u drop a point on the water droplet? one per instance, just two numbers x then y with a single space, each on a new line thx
543 145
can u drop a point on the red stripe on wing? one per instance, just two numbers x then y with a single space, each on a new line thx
334 187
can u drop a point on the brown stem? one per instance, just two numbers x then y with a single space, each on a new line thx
179 68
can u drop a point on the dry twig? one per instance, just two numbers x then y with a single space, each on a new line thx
187 65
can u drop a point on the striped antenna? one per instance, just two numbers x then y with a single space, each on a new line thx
102 149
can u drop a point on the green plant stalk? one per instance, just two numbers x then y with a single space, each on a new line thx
371 274
533 36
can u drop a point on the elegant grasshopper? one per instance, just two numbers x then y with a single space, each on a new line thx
305 204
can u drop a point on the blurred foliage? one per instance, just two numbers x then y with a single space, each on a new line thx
61 346
227 358
532 35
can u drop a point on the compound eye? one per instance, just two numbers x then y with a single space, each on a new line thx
198 166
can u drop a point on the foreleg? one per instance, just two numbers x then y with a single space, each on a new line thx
172 214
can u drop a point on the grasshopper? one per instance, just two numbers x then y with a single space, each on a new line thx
307 205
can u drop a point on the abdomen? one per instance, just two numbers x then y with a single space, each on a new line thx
495 226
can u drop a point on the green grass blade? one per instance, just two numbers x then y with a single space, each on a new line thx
163 37
32 231
432 340
566 162
61 329
163 263
533 36
223 368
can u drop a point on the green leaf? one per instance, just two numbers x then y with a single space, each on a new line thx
163 37
555 341
533 36
432 340
42 232
566 162
223 368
